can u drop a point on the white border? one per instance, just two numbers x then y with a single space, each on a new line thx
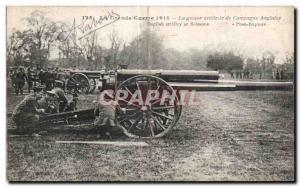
5 3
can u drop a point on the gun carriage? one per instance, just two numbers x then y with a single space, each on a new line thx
157 116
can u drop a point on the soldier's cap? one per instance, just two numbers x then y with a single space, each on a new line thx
52 92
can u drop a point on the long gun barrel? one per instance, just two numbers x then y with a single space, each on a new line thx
204 80
66 117
171 75
227 85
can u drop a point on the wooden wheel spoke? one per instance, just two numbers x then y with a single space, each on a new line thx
158 122
138 86
152 121
151 129
155 102
163 107
158 86
83 82
135 123
148 126
162 115
127 117
128 90
129 102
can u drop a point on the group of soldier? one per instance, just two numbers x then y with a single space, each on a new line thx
45 78
45 99
240 74
246 74
27 113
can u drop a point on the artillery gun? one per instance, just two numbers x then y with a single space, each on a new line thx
130 90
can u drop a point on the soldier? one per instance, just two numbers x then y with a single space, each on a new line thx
282 76
49 80
277 75
26 114
20 79
231 74
30 79
49 103
55 73
12 74
104 114
60 97
41 76
55 101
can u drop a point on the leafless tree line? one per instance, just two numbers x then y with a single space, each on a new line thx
33 46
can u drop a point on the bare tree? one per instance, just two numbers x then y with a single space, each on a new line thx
39 37
87 47
146 51
115 42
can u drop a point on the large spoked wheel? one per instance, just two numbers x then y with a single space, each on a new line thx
142 116
82 81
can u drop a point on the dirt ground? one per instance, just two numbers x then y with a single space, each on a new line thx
232 136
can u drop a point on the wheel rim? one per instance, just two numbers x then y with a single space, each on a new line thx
151 119
82 81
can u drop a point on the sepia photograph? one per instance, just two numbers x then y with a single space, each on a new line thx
150 94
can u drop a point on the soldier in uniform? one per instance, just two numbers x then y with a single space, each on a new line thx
231 74
49 80
41 76
26 114
60 97
12 74
20 79
30 79
55 101
49 103
55 73
104 114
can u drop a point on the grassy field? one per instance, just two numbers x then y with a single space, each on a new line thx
232 136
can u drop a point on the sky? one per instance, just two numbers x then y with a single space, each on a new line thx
226 28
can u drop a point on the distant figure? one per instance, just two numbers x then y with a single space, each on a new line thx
277 75
55 73
231 74
282 75
49 80
238 75
30 79
20 79
12 75
246 74
41 77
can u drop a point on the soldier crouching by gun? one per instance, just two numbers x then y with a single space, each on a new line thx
26 114
58 95
104 115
